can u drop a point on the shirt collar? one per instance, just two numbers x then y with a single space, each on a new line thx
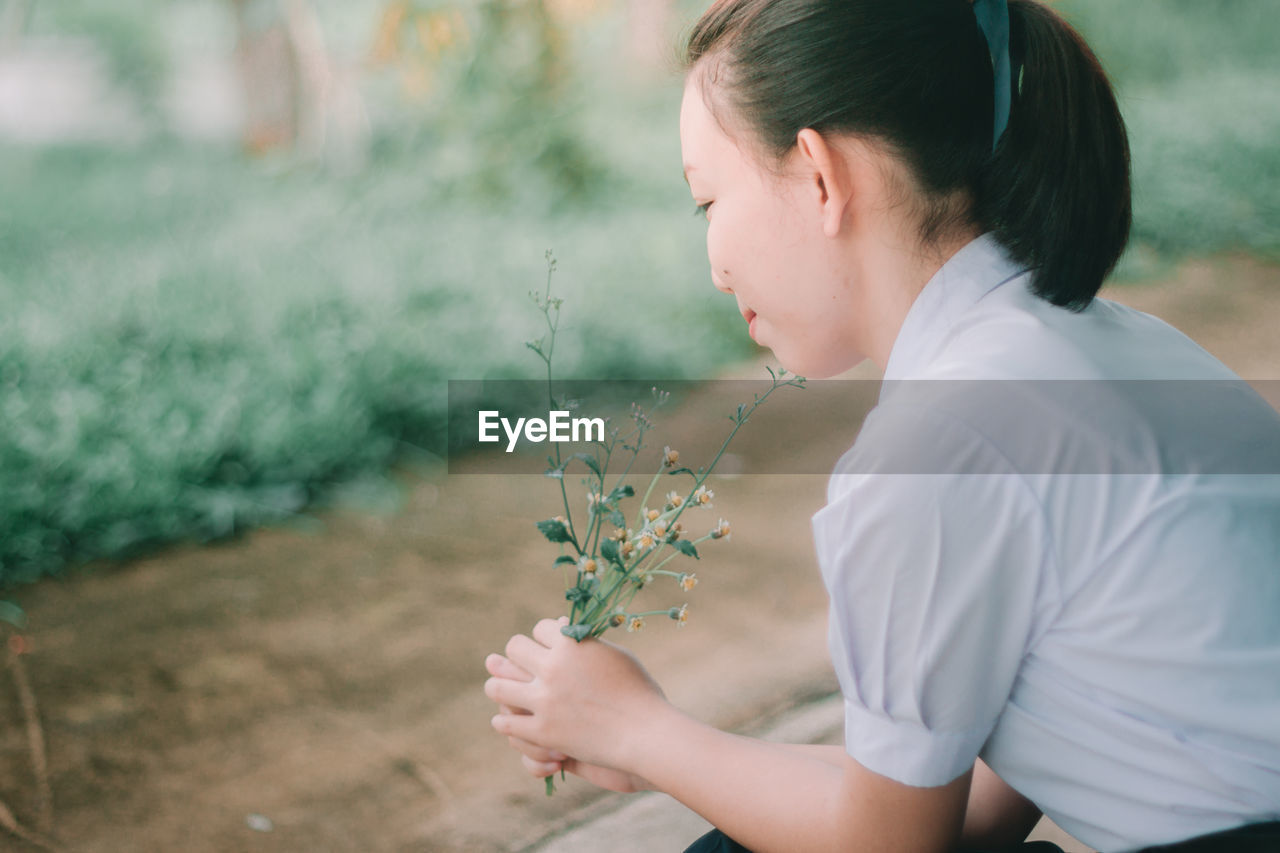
971 273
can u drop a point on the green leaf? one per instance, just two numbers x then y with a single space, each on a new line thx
621 492
688 471
617 519
12 613
578 594
591 463
564 560
554 530
685 547
578 632
609 550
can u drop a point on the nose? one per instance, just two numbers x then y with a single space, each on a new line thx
720 286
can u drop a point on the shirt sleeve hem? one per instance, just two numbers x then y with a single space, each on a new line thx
906 751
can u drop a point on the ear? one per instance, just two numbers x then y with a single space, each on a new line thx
829 169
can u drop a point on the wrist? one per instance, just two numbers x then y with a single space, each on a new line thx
654 744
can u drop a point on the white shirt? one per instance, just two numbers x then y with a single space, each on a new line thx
1097 612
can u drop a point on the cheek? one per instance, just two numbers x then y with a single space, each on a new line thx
717 253
733 248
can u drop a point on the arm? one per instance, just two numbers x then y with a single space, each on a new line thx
995 814
593 701
769 798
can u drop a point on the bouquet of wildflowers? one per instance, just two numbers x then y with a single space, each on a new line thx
605 560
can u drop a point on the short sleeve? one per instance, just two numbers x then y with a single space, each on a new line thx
934 581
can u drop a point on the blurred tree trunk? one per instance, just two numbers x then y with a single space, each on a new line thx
297 96
649 34
269 77
332 123
14 17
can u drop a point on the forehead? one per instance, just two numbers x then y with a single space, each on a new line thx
702 139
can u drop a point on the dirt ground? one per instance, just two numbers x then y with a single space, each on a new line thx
327 677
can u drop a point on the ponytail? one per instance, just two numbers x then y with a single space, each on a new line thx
1056 192
918 74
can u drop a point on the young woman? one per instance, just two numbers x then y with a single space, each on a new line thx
1074 606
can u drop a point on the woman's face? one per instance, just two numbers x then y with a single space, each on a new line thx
767 248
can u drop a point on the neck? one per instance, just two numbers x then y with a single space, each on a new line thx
894 267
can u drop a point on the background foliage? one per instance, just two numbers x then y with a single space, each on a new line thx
193 341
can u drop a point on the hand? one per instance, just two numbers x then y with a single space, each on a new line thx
540 762
561 698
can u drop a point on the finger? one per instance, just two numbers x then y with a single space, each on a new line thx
532 750
525 653
508 691
500 667
540 768
515 725
547 631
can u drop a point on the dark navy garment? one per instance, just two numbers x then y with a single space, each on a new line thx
1259 838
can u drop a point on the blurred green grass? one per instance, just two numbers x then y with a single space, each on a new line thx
188 347
1199 85
192 343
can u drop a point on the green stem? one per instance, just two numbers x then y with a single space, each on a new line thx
739 421
644 502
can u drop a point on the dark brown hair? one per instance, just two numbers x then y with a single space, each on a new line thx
917 76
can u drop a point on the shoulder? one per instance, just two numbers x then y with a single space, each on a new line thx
1013 334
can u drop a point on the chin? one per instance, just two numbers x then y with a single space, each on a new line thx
818 368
